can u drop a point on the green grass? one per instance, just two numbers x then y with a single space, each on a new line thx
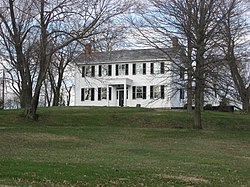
100 146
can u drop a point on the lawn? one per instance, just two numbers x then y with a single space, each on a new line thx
100 146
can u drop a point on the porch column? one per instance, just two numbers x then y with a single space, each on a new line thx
125 94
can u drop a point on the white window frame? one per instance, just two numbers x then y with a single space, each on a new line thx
139 92
87 94
157 92
121 69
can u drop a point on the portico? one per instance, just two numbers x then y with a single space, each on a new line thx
120 90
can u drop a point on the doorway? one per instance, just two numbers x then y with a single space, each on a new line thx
121 97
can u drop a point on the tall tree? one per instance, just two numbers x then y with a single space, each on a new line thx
195 23
233 31
61 60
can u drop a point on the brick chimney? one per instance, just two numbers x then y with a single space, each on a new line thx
175 43
88 50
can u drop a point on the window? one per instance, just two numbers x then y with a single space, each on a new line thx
105 70
157 92
102 93
157 68
121 69
139 69
88 71
87 94
182 93
139 92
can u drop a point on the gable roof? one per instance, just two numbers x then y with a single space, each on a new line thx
126 56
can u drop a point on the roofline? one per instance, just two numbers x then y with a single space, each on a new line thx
117 62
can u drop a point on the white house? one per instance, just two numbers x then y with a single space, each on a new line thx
127 78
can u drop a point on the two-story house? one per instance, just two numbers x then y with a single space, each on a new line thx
127 78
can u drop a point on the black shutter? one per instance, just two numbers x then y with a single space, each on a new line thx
109 70
110 93
100 71
92 94
83 71
99 94
126 69
82 94
151 92
152 68
92 71
134 69
162 68
133 92
162 92
182 73
181 93
144 92
144 68
116 70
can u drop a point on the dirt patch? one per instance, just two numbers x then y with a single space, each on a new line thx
194 180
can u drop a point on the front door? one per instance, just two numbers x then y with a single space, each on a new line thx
121 98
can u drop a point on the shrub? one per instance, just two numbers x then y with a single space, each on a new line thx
1 104
208 107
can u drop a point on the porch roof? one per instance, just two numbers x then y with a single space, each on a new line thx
120 81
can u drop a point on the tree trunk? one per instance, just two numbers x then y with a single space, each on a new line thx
199 85
197 110
198 96
56 97
189 91
189 61
239 83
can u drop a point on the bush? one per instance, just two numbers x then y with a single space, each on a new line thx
224 105
208 107
1 104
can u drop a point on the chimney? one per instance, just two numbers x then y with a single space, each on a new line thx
175 43
88 50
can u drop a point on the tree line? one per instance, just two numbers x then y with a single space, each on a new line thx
41 39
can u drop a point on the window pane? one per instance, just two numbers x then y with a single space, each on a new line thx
88 71
157 68
139 68
105 70
122 69
104 93
157 92
139 91
87 93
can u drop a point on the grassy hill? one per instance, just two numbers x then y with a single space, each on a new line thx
100 146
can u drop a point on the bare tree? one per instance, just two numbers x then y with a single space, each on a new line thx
233 30
112 36
68 89
29 30
195 23
60 61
